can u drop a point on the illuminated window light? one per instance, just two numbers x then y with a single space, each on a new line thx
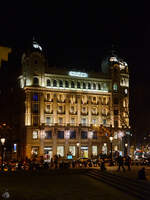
37 46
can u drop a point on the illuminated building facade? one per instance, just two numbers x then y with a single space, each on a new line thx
73 112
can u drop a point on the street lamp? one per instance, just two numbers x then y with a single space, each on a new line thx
126 149
78 144
3 142
111 161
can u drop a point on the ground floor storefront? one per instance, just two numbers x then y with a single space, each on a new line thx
70 142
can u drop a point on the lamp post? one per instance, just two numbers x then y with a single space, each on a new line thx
126 149
78 144
105 148
3 142
111 160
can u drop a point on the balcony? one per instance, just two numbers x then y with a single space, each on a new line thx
85 125
84 113
95 114
48 112
61 112
73 113
94 102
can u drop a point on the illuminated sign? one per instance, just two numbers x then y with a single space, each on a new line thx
78 74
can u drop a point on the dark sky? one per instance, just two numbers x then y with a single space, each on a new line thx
82 34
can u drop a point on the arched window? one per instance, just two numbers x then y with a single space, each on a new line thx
48 82
99 86
89 85
35 81
66 84
94 86
78 85
60 83
54 83
115 87
84 86
72 84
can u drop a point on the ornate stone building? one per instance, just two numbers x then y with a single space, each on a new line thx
72 112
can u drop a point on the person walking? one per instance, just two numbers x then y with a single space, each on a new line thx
128 162
120 163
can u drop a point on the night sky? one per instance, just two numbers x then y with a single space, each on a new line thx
82 34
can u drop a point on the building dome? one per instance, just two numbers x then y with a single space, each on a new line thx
112 59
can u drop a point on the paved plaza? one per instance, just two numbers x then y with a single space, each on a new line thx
57 185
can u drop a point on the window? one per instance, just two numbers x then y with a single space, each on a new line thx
60 83
35 81
93 121
48 134
48 82
60 134
72 109
116 123
60 109
115 87
72 84
54 83
116 101
99 86
48 120
35 150
94 98
78 85
35 135
72 120
94 135
84 86
94 86
83 121
35 120
35 97
84 109
94 150
126 91
104 100
60 151
104 121
60 120
66 84
72 150
72 134
84 135
115 135
35 108
48 97
48 108
89 86
115 112
94 110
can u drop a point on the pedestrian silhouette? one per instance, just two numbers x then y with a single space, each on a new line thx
128 162
120 163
